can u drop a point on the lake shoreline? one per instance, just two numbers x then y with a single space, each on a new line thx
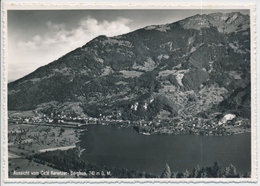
81 150
152 144
75 138
145 130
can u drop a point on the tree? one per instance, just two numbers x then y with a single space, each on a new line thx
231 172
175 175
204 173
215 170
247 175
166 172
61 131
196 172
186 174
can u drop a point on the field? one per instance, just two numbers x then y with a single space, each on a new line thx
25 140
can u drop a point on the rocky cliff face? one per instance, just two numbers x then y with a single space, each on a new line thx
197 65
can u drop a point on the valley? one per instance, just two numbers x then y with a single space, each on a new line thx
189 79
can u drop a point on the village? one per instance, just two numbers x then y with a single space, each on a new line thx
196 126
229 124
36 132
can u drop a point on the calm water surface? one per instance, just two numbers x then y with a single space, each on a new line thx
125 148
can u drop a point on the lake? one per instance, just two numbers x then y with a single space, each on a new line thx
125 148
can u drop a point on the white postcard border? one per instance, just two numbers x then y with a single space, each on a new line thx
59 6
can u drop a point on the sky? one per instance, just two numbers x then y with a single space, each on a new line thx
38 37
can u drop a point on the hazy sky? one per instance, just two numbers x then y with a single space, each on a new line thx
37 37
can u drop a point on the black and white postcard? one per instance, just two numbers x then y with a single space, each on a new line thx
145 94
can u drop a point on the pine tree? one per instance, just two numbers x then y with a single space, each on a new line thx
231 172
166 172
196 172
186 174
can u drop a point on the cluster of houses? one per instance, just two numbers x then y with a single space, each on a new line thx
61 118
44 118
192 125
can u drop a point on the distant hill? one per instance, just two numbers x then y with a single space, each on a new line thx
179 69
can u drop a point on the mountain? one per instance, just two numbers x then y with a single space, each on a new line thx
197 65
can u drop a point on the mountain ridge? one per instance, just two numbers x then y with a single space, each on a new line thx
186 67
